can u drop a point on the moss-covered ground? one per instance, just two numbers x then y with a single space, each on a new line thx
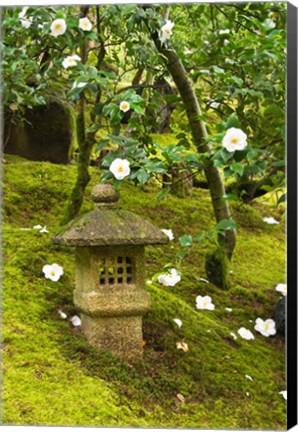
51 376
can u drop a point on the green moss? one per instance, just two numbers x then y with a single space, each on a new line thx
51 376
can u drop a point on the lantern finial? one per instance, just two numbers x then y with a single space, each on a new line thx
104 194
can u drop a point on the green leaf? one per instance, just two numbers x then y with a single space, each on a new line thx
225 225
280 163
137 109
155 167
163 193
237 168
233 121
185 240
101 145
282 199
142 176
229 197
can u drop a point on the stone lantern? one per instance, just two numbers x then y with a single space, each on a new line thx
110 289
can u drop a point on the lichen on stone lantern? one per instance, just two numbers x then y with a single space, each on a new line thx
110 285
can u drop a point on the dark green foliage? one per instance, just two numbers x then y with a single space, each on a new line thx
217 268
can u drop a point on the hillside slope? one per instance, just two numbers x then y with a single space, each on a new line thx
51 376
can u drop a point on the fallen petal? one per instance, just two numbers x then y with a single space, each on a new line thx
75 320
249 377
178 322
62 314
180 397
203 280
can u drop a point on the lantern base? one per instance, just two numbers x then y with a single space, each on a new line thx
121 335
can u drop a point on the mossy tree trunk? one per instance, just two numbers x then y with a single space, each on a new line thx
200 137
85 141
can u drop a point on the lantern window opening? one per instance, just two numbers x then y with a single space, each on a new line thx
116 270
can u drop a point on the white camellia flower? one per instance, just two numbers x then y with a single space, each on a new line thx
70 61
234 139
85 24
204 303
245 334
178 322
166 31
282 288
124 106
53 272
266 328
270 221
169 233
58 27
284 393
120 168
183 346
26 22
22 14
170 278
75 320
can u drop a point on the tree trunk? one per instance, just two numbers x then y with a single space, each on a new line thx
85 147
200 136
85 142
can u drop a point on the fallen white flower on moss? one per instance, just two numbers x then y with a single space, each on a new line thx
75 320
266 328
169 279
53 271
249 377
168 233
284 394
203 280
245 334
204 303
178 322
282 288
44 230
270 221
183 346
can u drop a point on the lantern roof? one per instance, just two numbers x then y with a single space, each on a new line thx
106 225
